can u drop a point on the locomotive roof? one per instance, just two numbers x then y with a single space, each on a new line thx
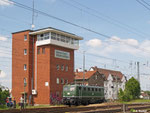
85 86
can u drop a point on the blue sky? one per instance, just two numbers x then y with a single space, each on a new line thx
101 16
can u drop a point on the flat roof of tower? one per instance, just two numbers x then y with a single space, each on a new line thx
49 29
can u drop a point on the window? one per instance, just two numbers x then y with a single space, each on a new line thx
57 80
88 89
62 81
38 50
53 35
43 36
100 90
92 89
62 38
96 89
57 66
62 67
84 88
25 51
43 50
25 37
66 81
25 66
66 68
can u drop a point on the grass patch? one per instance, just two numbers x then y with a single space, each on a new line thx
3 107
136 101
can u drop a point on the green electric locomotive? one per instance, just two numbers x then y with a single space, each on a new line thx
81 94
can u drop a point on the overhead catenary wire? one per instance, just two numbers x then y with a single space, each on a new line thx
108 19
73 24
143 3
69 22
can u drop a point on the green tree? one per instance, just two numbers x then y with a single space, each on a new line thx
4 93
132 88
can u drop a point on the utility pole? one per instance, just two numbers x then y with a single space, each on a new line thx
138 71
32 26
32 78
83 67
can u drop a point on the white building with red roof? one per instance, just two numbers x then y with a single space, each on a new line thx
114 80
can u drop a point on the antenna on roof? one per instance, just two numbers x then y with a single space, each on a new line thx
33 26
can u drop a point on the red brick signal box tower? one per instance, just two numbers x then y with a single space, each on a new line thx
45 58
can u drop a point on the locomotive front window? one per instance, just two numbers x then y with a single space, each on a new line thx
65 88
72 88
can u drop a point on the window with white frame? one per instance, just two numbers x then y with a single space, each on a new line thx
25 51
43 36
57 80
25 66
25 37
64 38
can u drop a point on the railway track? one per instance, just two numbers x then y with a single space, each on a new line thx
81 109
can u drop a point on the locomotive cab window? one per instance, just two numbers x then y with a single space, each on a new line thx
65 88
72 88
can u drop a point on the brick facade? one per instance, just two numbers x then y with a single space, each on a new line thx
42 66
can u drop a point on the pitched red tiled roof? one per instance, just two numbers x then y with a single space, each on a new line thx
106 72
88 74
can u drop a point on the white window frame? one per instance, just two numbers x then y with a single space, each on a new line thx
25 51
57 80
25 37
25 66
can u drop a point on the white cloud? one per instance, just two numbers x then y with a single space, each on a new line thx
3 38
6 3
94 43
2 74
116 45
